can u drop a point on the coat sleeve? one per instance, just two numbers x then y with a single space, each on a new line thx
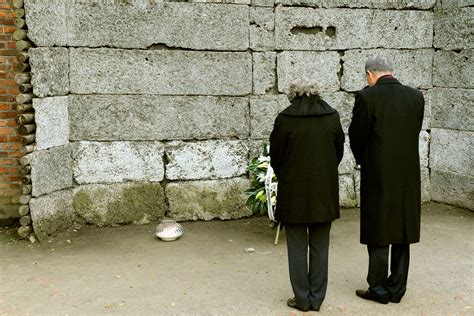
359 128
277 146
339 141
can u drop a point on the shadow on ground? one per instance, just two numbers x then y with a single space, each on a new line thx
127 271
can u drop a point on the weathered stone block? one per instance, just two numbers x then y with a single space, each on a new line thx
264 72
357 186
262 26
452 4
453 109
206 160
135 24
403 4
412 67
139 25
347 194
452 188
318 29
52 122
452 151
424 148
452 69
118 71
429 99
120 203
51 170
52 213
47 22
452 29
222 199
343 102
321 67
425 185
347 164
256 148
151 117
49 70
263 111
108 162
263 3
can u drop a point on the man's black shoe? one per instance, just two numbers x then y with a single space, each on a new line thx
395 298
292 303
367 295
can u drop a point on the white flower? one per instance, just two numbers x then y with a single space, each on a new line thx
261 177
263 158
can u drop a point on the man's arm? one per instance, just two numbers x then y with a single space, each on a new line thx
359 128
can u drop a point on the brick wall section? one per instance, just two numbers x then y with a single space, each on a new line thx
10 147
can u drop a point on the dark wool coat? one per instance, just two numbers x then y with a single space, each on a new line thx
306 146
383 134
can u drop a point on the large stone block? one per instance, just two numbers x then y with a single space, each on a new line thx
264 72
320 67
453 29
52 122
427 115
263 111
49 71
318 29
140 24
453 4
424 148
136 24
262 26
425 185
51 170
151 117
120 203
347 194
343 102
222 199
52 213
347 164
47 22
403 4
118 71
453 109
452 151
452 188
412 67
108 162
453 69
211 159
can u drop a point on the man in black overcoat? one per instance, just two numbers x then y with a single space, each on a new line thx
384 131
306 147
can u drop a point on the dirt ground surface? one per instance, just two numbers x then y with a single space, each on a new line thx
127 271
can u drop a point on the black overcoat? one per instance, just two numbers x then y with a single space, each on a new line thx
306 146
383 134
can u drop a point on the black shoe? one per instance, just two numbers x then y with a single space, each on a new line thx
367 295
395 298
292 303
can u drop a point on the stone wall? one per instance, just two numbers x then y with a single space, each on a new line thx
452 133
151 108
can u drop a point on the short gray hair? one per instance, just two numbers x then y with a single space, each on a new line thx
377 63
299 87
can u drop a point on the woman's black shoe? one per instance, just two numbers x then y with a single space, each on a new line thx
292 303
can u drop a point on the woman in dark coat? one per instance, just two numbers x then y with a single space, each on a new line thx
306 147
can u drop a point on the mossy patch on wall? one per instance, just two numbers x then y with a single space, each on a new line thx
112 204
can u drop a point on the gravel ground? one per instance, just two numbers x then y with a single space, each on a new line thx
126 271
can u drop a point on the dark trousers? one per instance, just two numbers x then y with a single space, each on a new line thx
309 285
394 285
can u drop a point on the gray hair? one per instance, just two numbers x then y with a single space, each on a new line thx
378 63
300 87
